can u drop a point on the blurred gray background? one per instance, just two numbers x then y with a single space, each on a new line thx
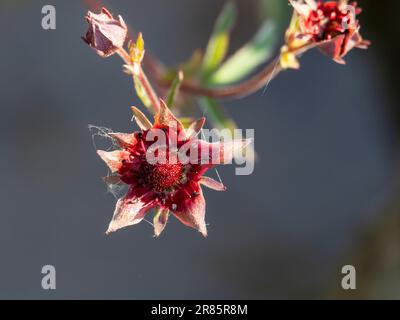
326 137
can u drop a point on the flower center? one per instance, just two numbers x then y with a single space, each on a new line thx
328 21
162 177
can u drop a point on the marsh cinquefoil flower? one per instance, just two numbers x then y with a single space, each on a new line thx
105 35
171 183
332 26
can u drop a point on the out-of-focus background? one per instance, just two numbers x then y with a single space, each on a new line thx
324 192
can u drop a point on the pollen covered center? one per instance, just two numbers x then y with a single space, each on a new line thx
160 176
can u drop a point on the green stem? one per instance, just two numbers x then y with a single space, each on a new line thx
150 92
142 78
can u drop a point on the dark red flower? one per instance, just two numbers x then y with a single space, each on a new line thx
332 26
106 35
172 184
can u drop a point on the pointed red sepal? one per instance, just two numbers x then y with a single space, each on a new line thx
193 213
113 159
165 118
212 184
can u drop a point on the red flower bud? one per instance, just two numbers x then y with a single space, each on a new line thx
105 34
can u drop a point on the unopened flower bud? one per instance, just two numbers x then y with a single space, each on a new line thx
106 35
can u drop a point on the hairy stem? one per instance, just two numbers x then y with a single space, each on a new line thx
141 77
249 86
239 90
150 92
124 56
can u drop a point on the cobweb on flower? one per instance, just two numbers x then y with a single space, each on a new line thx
102 133
101 139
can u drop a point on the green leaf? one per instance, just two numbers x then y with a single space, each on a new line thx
192 67
141 92
276 10
174 89
248 58
219 41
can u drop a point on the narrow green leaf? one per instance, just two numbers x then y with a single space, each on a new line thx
174 89
219 41
276 10
248 58
141 92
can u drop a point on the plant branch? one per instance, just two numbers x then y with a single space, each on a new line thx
155 101
239 90
125 56
249 86
137 72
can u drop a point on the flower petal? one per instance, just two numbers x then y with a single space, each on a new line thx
341 45
130 210
124 139
104 11
354 40
160 221
113 159
220 152
301 8
332 48
212 184
142 121
194 213
164 117
194 128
